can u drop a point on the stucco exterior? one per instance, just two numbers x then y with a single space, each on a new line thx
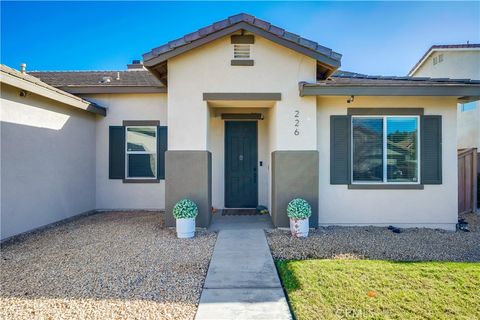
47 161
208 69
434 207
45 143
213 72
114 194
457 64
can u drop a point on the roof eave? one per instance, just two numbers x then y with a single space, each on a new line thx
448 90
151 60
47 91
112 89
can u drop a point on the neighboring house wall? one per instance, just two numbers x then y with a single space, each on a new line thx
435 206
468 135
458 64
47 161
115 194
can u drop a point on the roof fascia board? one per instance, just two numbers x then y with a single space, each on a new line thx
116 89
391 90
323 59
52 93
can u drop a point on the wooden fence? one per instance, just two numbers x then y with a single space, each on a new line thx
467 180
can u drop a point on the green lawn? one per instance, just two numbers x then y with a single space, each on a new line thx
371 289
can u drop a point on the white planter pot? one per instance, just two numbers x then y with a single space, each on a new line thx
185 228
299 228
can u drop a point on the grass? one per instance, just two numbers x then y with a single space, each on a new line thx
372 289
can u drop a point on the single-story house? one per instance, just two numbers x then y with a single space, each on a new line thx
238 114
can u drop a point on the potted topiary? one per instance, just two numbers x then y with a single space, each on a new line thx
185 212
299 210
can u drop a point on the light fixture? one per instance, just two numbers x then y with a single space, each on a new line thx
351 99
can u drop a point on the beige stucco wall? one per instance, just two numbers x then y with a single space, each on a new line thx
114 194
47 161
435 206
459 64
208 69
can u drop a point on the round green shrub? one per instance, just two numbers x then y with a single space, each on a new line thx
185 209
299 209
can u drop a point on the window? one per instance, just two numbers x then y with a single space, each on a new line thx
141 152
435 60
241 51
440 58
385 149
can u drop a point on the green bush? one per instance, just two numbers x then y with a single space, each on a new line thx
299 209
185 209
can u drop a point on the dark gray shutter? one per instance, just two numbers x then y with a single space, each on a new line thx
116 155
162 145
431 150
340 171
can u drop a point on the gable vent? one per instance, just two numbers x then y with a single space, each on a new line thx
241 51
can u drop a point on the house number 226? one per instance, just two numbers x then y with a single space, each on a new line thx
296 121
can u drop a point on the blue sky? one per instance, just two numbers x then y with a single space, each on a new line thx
374 37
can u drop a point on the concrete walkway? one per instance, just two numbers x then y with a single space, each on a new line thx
242 281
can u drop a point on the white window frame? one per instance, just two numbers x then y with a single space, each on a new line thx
141 152
385 156
250 49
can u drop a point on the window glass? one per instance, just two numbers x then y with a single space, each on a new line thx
367 149
402 149
141 152
141 139
142 165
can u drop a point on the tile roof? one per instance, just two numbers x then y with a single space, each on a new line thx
443 47
237 19
98 78
28 78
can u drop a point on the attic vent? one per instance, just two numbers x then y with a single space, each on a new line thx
241 51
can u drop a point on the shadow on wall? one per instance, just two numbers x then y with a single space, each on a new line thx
48 163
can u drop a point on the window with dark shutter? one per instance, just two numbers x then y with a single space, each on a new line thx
137 151
400 151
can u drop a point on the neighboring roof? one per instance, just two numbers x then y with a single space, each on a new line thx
443 47
32 84
138 81
156 58
362 85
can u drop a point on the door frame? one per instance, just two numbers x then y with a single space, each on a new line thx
225 180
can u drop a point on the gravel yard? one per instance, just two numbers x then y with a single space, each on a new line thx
380 243
112 265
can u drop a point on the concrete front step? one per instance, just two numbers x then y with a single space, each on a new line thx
243 303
